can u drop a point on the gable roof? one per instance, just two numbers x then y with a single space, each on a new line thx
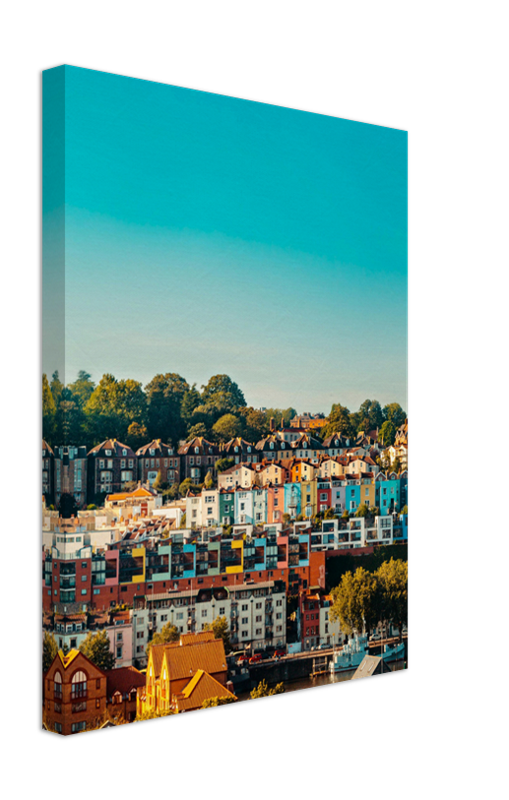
157 445
202 686
112 444
123 680
193 651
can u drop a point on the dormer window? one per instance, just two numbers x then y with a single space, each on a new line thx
196 449
272 445
282 446
124 452
249 449
236 449
152 452
108 452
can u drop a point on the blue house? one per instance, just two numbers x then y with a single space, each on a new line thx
292 499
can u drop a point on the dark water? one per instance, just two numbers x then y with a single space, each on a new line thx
322 680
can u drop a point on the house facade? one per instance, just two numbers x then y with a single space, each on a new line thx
158 458
198 457
111 465
48 460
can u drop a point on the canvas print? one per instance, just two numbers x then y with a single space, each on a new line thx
224 401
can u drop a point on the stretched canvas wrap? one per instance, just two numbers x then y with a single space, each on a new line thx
224 394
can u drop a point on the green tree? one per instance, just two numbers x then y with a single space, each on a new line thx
223 393
196 431
279 415
338 421
395 414
329 513
212 702
165 395
150 714
82 388
387 434
114 405
224 463
254 423
370 415
190 401
362 511
70 419
262 690
221 631
158 483
208 483
169 633
392 577
49 650
137 435
188 486
227 427
96 647
57 387
48 412
356 601
404 510
374 511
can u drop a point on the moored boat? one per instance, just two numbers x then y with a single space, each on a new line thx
352 653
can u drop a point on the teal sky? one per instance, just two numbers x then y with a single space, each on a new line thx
205 235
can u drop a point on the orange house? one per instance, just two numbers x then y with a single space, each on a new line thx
302 470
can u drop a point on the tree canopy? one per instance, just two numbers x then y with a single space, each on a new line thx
364 599
168 633
96 647
221 631
262 690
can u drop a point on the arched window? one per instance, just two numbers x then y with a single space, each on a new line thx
79 685
124 452
196 449
249 449
57 684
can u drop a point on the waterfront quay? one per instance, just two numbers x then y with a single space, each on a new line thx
303 667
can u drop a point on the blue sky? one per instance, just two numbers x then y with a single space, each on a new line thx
205 234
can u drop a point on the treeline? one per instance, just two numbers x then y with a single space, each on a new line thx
363 600
171 409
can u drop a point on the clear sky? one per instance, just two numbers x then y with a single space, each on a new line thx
205 235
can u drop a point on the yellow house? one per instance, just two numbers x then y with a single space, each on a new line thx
171 667
308 497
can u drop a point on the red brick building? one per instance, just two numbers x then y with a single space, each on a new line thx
157 457
74 694
78 696
111 465
197 457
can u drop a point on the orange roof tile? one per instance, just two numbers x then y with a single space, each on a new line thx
201 687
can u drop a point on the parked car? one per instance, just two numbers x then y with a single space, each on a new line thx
242 660
279 653
255 659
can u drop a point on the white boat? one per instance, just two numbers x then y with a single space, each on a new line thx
352 653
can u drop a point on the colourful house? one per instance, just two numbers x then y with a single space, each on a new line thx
387 493
292 499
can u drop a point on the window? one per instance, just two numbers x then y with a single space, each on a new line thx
57 685
244 620
258 631
258 619
76 727
79 685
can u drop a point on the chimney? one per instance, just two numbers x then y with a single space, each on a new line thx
271 424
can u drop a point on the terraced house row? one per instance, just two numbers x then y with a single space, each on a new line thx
242 502
110 465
